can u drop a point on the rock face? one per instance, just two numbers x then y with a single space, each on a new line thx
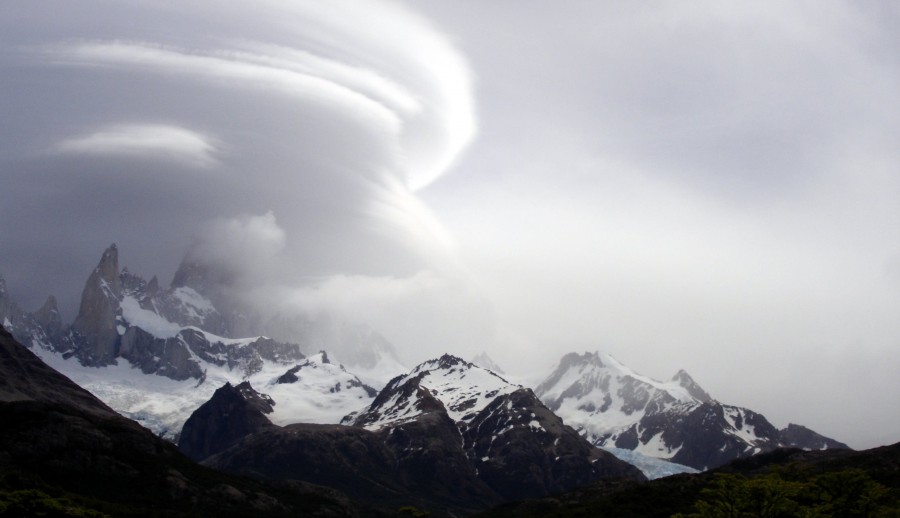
230 415
95 325
612 406
42 329
521 449
60 440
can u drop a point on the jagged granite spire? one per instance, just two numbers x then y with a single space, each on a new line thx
96 320
48 318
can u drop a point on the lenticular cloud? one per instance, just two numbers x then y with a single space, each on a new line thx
328 116
372 61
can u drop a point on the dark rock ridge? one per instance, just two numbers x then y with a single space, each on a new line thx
230 415
59 442
677 421
522 449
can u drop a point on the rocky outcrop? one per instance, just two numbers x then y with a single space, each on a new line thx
169 357
42 329
230 415
797 436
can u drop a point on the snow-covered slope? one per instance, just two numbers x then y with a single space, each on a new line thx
322 393
462 388
595 393
615 407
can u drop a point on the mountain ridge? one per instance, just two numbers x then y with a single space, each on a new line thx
679 421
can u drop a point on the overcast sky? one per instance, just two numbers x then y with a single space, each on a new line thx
703 185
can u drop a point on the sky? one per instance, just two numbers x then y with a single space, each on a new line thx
701 185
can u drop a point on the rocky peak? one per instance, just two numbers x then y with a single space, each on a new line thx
798 436
153 287
521 449
96 320
108 268
449 383
685 380
48 317
194 275
402 400
230 415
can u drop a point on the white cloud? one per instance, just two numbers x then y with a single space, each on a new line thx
146 140
238 69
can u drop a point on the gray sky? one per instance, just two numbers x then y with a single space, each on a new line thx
701 185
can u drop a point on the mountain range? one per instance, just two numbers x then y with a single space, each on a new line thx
187 360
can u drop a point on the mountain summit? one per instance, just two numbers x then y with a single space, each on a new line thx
615 407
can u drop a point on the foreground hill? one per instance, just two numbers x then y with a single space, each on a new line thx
64 452
783 482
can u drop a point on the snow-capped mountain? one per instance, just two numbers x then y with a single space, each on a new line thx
463 389
156 354
446 426
518 446
678 421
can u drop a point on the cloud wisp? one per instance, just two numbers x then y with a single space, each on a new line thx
148 140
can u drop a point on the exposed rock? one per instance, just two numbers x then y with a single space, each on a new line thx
168 357
523 450
96 320
230 415
797 436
